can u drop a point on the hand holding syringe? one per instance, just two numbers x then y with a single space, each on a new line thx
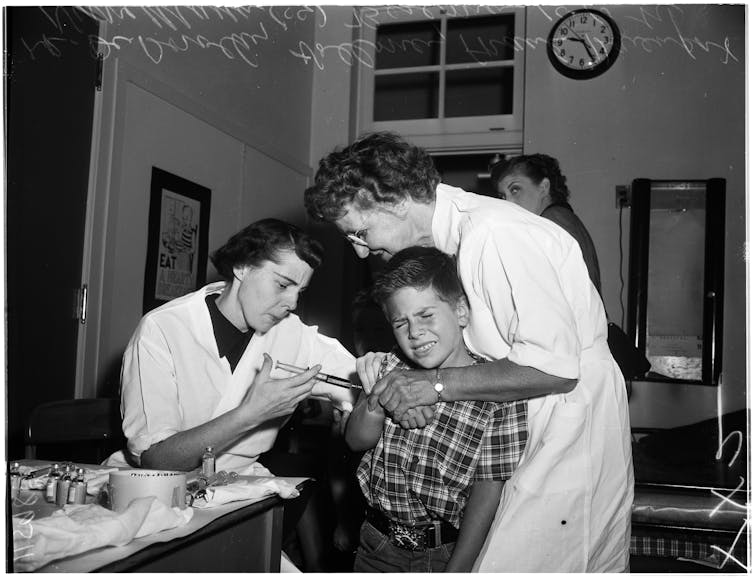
325 377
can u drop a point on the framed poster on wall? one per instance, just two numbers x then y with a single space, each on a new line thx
177 238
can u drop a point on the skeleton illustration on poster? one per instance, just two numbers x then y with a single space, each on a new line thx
177 246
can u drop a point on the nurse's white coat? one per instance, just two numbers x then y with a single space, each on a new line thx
567 507
173 378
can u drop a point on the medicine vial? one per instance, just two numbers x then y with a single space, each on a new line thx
208 462
51 487
77 489
64 484
15 480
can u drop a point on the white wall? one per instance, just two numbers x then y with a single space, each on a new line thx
213 97
667 109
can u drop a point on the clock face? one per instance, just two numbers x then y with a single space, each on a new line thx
583 43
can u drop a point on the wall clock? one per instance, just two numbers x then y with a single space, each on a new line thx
583 43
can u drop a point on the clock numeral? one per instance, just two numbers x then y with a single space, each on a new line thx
570 60
607 39
562 52
602 50
602 29
581 62
560 42
584 19
564 31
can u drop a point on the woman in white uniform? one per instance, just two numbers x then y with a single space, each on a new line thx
199 370
536 314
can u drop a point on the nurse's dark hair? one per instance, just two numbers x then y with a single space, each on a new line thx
381 166
419 268
262 241
536 167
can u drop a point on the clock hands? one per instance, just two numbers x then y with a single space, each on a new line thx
584 42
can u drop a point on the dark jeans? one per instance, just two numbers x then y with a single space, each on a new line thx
377 554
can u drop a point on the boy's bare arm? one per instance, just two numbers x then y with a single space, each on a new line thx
477 518
364 427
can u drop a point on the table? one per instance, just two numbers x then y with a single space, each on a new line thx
244 536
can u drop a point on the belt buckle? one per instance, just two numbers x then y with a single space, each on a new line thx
407 537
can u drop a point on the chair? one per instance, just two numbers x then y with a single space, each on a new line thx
65 424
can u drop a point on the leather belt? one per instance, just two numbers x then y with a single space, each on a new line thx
418 537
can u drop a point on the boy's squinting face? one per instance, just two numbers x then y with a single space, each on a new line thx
428 330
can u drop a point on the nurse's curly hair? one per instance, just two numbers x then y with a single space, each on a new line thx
381 166
536 167
419 268
262 241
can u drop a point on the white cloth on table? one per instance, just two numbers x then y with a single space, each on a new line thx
245 490
173 378
79 528
567 507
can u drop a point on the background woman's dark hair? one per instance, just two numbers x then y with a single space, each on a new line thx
262 241
384 165
420 268
536 167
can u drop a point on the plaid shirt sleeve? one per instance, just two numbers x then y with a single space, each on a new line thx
504 441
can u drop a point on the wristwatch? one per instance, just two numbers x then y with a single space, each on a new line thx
439 387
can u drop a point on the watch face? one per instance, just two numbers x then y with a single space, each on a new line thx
583 44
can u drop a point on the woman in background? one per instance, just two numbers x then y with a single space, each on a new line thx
535 183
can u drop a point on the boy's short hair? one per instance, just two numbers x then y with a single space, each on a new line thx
419 268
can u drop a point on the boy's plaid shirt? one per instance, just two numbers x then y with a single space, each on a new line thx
421 475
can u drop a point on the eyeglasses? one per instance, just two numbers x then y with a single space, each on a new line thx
357 238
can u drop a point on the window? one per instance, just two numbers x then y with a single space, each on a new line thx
445 77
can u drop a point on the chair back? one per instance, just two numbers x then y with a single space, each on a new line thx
94 423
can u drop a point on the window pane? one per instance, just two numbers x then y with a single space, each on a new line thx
408 45
480 39
406 96
479 92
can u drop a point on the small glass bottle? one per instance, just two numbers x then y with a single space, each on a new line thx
64 484
15 480
51 488
208 462
77 489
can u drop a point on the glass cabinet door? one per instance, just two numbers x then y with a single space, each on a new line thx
676 277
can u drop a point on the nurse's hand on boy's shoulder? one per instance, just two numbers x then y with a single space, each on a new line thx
268 398
368 369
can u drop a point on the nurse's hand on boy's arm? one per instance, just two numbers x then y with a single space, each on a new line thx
368 369
500 381
402 390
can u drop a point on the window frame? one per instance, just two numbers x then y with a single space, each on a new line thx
454 133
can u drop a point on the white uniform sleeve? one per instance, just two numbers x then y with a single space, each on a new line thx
519 278
335 360
149 396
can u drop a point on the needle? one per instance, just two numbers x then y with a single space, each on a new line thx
326 377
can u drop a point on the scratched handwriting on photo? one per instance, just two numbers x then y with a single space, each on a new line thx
726 500
250 28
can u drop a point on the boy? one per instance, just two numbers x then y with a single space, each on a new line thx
432 493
